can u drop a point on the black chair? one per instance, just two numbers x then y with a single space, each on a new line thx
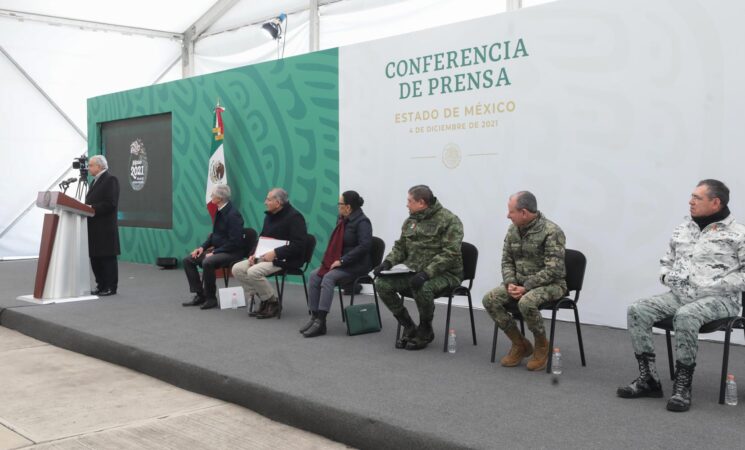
376 257
470 259
310 246
726 324
575 263
248 244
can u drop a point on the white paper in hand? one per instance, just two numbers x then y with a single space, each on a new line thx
268 244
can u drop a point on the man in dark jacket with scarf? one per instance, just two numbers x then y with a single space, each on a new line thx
103 228
223 246
282 222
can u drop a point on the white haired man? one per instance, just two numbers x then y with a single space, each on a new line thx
223 246
103 228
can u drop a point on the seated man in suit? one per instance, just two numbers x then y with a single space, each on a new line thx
285 223
222 246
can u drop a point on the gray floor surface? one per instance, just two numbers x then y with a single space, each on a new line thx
363 392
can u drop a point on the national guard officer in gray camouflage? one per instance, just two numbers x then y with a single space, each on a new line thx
703 270
430 246
533 273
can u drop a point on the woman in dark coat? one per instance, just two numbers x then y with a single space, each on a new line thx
347 257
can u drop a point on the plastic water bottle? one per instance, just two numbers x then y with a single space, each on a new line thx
556 362
451 341
730 395
234 301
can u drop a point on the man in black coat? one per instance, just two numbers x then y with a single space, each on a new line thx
285 223
222 247
103 228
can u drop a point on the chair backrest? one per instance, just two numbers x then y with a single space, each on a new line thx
575 263
470 258
377 251
310 246
249 238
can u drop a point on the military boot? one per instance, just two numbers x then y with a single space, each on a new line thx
409 328
540 354
681 398
424 335
521 348
648 382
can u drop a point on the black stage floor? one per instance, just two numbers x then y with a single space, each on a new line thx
363 392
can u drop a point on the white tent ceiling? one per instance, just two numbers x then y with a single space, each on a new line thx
54 55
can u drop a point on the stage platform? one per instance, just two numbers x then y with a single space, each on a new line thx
363 392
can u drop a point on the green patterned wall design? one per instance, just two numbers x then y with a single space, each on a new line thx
281 129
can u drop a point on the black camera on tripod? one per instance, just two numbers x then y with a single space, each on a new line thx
81 163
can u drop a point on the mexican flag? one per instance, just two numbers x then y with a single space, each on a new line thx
217 173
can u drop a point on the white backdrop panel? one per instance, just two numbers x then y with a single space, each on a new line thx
620 109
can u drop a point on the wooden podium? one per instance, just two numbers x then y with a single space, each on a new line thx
63 270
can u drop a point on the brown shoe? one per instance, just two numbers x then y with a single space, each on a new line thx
258 310
540 357
272 309
520 349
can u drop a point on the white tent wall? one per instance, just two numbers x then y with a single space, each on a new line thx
71 64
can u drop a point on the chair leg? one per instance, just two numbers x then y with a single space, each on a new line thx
473 325
551 341
494 342
522 325
447 325
341 304
579 336
281 297
725 363
377 305
225 276
305 288
670 354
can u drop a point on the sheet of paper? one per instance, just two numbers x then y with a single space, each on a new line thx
267 244
397 269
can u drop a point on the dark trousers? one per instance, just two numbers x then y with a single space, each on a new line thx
106 271
206 286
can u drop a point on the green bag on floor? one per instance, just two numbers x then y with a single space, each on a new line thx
362 319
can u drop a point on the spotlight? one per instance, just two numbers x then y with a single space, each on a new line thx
274 26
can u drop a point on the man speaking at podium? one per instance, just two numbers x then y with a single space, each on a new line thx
103 229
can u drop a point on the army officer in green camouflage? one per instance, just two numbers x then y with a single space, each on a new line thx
430 246
703 268
533 273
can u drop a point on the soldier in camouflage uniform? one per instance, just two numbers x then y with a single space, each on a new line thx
430 246
703 270
533 273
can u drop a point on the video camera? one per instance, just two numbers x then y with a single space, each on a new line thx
81 163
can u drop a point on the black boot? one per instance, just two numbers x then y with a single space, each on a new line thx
648 382
424 335
409 328
305 327
318 328
681 398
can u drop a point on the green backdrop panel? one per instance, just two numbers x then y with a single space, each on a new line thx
281 129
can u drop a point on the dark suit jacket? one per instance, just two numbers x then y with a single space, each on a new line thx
103 228
227 231
287 224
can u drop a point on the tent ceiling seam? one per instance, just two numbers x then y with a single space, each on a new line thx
87 25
